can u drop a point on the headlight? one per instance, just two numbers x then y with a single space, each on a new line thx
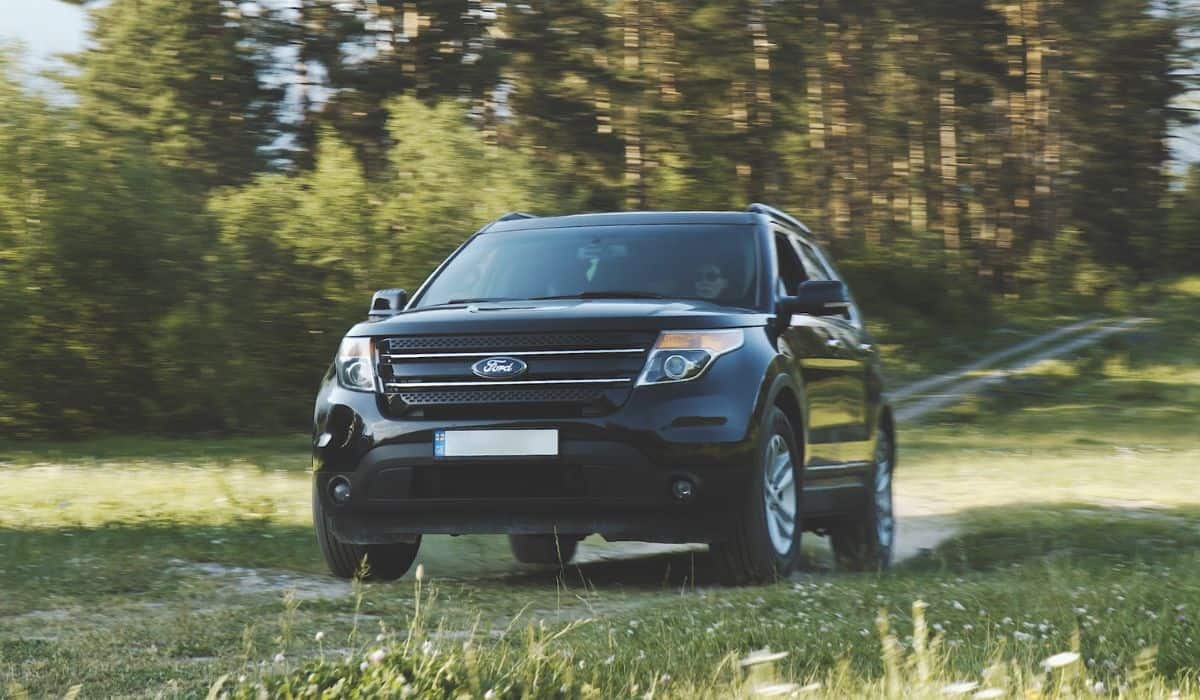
355 364
679 356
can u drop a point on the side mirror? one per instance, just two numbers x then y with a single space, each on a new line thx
387 303
816 298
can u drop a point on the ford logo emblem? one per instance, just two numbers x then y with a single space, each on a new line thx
499 368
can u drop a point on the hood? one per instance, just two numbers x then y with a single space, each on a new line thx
561 315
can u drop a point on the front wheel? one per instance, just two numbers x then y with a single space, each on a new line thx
763 544
864 541
385 562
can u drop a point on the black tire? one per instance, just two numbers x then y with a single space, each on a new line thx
749 555
543 549
383 562
864 541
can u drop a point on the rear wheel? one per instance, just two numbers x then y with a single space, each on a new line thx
384 562
864 541
764 541
543 549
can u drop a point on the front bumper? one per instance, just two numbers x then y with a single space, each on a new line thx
613 474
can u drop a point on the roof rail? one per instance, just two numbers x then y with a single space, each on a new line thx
510 216
513 215
774 213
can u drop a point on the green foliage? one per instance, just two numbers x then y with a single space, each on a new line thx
233 180
917 299
87 236
1182 252
179 78
297 258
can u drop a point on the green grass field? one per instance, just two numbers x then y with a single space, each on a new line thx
150 567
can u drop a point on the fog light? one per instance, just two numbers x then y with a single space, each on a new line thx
339 490
676 366
683 489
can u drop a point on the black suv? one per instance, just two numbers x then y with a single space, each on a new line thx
660 376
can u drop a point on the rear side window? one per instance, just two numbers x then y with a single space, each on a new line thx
814 263
791 271
815 260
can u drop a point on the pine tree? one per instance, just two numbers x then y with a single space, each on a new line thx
182 79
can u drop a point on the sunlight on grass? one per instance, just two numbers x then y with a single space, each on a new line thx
1073 492
108 492
1189 286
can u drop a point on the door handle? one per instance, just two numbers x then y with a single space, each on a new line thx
833 343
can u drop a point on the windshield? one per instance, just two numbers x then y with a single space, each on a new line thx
716 263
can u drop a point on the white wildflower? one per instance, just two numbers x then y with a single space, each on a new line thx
362 666
1022 636
420 572
427 647
1098 688
959 688
1065 658
490 695
279 658
957 605
318 636
376 657
762 656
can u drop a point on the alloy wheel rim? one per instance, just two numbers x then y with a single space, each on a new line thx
779 494
885 520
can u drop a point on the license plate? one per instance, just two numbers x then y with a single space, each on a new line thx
495 443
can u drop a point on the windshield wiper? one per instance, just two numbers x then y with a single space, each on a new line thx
612 294
477 300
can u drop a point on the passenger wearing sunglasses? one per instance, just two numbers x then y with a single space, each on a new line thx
710 281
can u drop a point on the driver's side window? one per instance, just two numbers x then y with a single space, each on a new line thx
791 271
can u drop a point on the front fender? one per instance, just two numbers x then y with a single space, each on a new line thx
781 386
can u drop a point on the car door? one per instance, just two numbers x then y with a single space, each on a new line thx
805 339
855 352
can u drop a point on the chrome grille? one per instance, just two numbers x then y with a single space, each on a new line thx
592 373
